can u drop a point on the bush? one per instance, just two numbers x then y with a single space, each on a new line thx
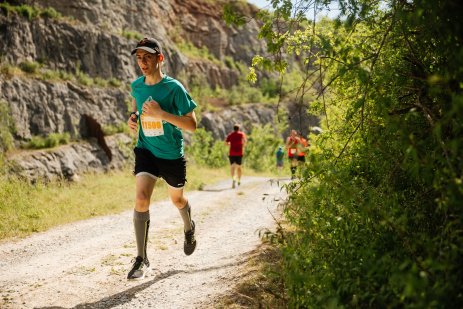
118 128
261 147
376 216
29 67
50 141
205 151
50 13
28 11
131 35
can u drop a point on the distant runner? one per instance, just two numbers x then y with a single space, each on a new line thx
302 149
292 144
280 154
236 140
161 109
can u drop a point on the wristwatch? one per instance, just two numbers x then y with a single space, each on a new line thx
134 113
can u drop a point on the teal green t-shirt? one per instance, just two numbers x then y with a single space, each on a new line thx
174 99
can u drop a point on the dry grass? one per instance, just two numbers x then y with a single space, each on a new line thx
26 208
259 286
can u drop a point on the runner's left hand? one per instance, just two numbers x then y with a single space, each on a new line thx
152 109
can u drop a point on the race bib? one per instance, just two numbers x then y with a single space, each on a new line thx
151 126
292 150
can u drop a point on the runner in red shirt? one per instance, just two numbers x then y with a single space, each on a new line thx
236 140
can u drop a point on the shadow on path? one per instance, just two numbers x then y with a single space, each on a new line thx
278 181
127 295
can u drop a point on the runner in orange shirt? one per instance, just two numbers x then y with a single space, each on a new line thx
303 147
292 143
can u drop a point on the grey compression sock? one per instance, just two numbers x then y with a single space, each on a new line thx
185 212
141 222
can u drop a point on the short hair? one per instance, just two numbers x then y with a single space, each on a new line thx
236 127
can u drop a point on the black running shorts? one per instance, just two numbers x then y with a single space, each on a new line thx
235 159
172 171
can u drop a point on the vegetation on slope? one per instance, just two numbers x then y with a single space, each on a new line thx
377 215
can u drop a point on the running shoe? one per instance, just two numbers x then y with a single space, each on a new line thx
140 269
189 245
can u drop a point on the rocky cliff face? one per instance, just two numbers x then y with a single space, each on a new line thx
70 161
41 107
94 41
89 39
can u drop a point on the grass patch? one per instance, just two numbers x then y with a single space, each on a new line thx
131 35
37 70
27 208
49 141
30 12
112 129
194 52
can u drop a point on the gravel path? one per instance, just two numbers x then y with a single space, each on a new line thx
85 264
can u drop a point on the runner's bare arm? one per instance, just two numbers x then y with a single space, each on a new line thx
185 122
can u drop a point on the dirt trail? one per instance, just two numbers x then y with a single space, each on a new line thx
84 265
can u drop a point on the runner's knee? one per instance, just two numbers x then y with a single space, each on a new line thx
179 202
142 201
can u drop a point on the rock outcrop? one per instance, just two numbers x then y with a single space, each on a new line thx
247 116
70 161
43 107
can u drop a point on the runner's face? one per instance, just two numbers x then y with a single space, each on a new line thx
147 62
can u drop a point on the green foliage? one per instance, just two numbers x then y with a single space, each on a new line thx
194 52
376 217
132 35
113 82
242 93
6 128
204 151
260 149
35 69
27 11
49 141
118 128
259 154
29 67
231 14
50 13
30 12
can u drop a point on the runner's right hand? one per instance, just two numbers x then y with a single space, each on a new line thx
133 124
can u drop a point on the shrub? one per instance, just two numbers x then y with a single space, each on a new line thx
50 141
131 35
28 11
29 67
118 128
205 151
50 13
261 147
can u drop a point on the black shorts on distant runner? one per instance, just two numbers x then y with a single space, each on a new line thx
172 171
301 158
235 159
